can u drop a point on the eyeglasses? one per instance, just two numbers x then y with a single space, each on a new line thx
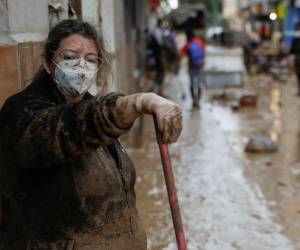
69 55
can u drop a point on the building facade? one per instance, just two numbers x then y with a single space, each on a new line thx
24 26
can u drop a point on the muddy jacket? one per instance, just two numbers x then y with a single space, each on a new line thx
65 181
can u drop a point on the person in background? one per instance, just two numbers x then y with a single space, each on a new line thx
65 180
194 49
249 48
171 52
295 50
156 45
264 32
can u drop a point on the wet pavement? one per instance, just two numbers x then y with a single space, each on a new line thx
229 199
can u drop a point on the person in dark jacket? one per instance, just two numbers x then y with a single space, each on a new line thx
295 50
66 183
156 46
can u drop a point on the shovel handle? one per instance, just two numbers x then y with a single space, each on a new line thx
171 188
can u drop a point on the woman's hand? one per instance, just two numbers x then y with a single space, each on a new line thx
169 121
168 114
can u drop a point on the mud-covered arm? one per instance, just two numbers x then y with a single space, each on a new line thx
44 132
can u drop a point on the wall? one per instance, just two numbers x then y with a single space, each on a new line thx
18 64
58 10
8 71
91 12
24 27
3 16
115 31
124 51
28 20
108 24
130 21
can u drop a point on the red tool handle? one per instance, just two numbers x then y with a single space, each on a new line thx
173 200
172 195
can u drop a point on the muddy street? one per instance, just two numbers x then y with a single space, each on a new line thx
229 199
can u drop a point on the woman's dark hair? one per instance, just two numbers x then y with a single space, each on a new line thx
70 27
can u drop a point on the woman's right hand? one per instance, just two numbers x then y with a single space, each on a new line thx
168 114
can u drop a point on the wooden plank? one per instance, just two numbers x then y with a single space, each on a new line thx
8 71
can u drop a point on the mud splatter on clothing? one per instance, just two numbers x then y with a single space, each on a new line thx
64 176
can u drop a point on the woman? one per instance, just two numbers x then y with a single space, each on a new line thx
66 182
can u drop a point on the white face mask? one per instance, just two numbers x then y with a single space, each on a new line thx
75 77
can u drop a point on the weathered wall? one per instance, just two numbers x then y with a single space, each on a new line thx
28 20
114 32
91 12
8 71
18 64
125 49
24 24
58 10
3 16
29 61
108 24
